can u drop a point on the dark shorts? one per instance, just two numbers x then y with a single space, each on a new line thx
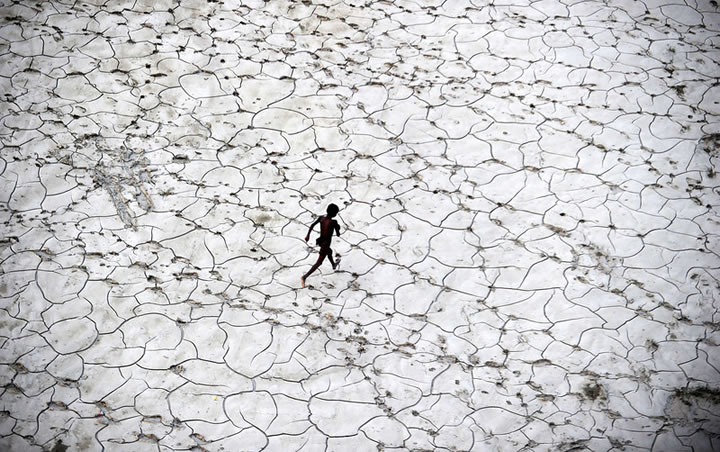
324 244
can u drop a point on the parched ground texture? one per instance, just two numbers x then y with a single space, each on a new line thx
529 213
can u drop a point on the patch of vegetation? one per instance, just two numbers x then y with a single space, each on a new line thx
573 446
711 144
59 447
706 393
680 90
592 391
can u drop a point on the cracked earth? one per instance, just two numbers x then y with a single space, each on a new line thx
529 220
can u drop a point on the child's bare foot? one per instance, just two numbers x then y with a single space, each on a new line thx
302 281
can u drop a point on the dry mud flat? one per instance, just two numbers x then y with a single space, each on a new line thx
529 213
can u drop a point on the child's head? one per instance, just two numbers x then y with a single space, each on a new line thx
332 210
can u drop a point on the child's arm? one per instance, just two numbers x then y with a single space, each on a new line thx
307 237
337 228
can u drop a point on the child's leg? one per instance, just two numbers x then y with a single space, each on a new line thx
315 267
330 258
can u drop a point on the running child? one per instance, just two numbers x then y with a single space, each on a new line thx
327 226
